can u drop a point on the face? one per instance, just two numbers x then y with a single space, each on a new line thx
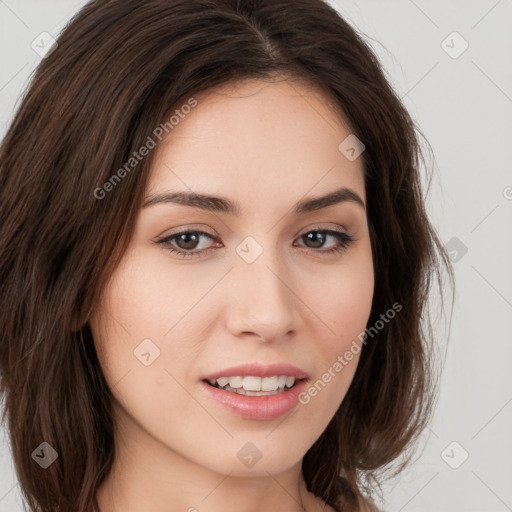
282 289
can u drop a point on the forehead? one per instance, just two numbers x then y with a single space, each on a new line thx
257 137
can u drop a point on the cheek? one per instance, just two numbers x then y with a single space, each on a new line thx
340 296
150 297
142 320
354 289
341 304
148 307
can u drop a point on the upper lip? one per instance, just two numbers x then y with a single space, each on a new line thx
259 370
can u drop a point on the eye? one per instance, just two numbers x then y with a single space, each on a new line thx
318 237
185 243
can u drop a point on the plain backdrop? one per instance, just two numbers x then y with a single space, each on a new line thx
451 62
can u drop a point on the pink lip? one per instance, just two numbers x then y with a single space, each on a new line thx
258 407
259 370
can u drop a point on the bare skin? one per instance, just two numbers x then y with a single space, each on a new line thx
266 146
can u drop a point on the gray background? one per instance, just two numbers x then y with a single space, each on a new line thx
463 104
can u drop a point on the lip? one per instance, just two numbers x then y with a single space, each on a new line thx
260 370
257 407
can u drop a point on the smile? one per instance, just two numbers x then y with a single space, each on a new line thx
257 405
254 385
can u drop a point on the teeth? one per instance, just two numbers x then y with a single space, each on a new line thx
290 381
254 383
222 381
242 391
281 381
269 384
235 382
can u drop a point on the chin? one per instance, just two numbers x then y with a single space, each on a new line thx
251 459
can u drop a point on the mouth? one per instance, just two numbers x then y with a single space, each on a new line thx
257 392
255 385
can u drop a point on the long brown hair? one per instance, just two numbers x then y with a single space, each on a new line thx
118 67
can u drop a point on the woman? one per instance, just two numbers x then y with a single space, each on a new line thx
215 256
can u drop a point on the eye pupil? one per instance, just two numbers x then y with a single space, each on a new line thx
317 237
187 236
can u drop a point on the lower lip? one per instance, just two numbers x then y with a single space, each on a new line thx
258 407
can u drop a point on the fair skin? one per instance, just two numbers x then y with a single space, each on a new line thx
265 146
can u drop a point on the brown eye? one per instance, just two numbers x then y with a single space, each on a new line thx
317 238
185 243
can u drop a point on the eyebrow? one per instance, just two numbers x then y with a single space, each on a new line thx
223 205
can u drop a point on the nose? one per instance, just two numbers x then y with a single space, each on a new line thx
261 302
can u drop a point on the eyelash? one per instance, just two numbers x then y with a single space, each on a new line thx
344 241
